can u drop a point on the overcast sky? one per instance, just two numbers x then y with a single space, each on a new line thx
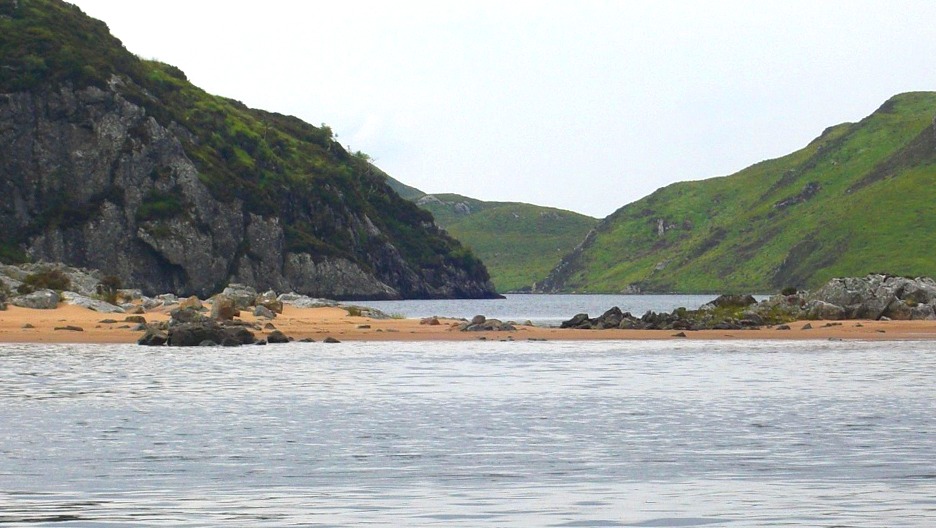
580 105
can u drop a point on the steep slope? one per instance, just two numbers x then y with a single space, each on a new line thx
115 163
520 243
857 199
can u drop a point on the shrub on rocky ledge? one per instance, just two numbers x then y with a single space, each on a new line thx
53 279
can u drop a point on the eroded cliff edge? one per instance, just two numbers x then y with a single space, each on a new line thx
111 162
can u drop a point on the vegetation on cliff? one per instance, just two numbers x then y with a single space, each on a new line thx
518 242
856 200
331 204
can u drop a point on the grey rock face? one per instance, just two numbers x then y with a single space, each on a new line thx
105 157
823 310
38 300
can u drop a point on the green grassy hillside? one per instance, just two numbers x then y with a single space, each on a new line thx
857 199
519 243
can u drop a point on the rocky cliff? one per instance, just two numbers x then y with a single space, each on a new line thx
123 166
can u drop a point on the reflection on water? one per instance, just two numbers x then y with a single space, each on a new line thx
467 434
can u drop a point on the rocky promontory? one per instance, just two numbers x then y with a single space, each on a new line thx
874 297
119 164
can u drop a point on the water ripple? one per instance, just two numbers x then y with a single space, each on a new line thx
467 434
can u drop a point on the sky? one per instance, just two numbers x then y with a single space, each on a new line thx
584 105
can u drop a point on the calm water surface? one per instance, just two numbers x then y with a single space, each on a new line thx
683 434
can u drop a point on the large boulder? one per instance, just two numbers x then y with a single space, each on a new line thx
243 296
189 314
578 321
816 309
224 308
191 302
194 334
269 301
845 291
923 312
38 300
733 301
304 301
96 305
610 319
898 310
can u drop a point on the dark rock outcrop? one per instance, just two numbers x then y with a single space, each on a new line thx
480 323
875 296
114 166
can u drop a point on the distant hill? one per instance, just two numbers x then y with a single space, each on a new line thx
120 164
857 199
518 242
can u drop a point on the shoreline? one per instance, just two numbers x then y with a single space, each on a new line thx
49 326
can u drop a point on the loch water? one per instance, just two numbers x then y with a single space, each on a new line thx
649 434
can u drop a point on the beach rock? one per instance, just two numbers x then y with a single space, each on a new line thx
167 299
923 312
192 302
488 325
125 295
330 339
186 315
139 319
733 301
577 321
816 309
431 321
263 311
898 310
242 295
277 337
191 334
304 301
154 337
477 320
269 300
610 319
223 308
96 305
37 300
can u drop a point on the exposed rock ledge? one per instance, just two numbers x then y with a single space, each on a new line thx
873 297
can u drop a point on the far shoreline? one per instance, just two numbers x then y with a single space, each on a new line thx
23 325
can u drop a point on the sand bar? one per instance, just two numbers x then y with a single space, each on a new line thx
50 326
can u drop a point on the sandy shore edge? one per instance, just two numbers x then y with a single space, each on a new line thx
22 325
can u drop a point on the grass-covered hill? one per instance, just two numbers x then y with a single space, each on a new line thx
195 189
518 242
857 199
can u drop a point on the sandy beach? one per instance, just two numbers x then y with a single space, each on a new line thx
22 325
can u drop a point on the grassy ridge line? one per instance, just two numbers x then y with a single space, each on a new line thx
855 200
518 242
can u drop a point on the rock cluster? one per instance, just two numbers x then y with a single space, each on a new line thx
876 296
480 323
